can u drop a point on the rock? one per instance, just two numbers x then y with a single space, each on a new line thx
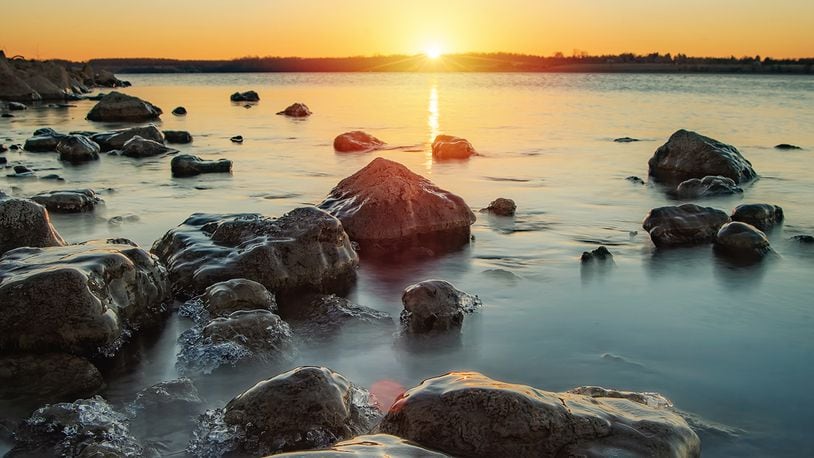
106 78
649 399
90 297
85 428
685 224
297 110
449 147
21 171
16 106
68 201
370 446
707 187
237 139
601 254
625 140
787 146
248 96
501 207
3 161
76 148
118 107
187 165
304 249
179 111
52 176
24 223
15 147
305 408
435 306
12 87
356 142
139 147
807 239
45 140
742 240
120 219
635 180
6 115
385 207
762 216
690 155
3 148
115 140
469 414
167 398
224 298
322 316
178 136
48 376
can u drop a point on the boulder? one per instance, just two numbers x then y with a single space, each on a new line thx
178 136
449 147
741 240
248 96
68 201
297 110
686 224
77 148
435 306
45 140
599 255
691 155
226 297
306 248
82 299
501 207
115 140
24 223
707 187
356 142
370 446
49 376
762 216
118 107
139 147
187 165
385 206
179 111
469 414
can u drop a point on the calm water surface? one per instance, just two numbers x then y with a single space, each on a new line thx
731 345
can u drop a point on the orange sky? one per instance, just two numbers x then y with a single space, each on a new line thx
220 29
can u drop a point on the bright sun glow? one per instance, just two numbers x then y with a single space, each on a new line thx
433 52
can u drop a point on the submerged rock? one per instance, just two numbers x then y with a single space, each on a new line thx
49 376
322 316
187 165
68 201
690 155
468 414
707 187
16 106
248 96
762 216
356 142
297 110
371 446
450 147
124 108
304 249
166 398
626 140
179 111
177 136
601 254
24 223
635 180
226 297
385 207
45 140
435 306
686 224
742 240
139 147
501 207
807 239
115 140
787 146
77 148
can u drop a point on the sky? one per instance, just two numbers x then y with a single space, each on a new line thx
206 29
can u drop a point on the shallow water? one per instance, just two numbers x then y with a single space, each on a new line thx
730 344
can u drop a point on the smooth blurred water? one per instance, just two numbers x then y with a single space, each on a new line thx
730 344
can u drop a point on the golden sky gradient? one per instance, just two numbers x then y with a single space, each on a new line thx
203 29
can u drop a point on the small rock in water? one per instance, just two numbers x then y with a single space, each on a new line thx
177 136
322 316
118 220
807 239
17 106
3 148
686 224
297 110
138 147
247 106
709 186
52 176
77 148
625 140
787 146
166 398
450 147
68 201
187 165
237 139
435 306
762 216
3 161
691 155
601 254
48 376
227 297
248 96
179 111
115 140
743 241
118 107
356 141
24 223
501 207
15 147
635 180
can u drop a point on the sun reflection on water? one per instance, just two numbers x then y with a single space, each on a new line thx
433 122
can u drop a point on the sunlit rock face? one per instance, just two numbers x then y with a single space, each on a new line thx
305 249
469 414
124 108
356 142
762 216
686 224
450 147
387 208
24 223
695 188
115 140
435 306
688 155
742 240
371 446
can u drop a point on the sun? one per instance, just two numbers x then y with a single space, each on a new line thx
433 51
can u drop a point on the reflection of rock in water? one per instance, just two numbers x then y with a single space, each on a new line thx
738 274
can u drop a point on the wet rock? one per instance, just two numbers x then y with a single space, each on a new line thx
187 165
21 171
635 180
762 216
3 161
248 96
690 155
371 446
356 142
68 201
179 111
6 115
224 298
115 140
468 414
297 110
741 240
787 146
85 428
106 78
12 87
646 398
16 106
172 397
15 147
807 239
90 297
45 140
77 148
626 140
707 187
305 408
449 147
24 223
118 107
322 316
121 219
48 376
435 306
178 136
599 255
385 207
139 147
306 248
501 207
686 224
237 139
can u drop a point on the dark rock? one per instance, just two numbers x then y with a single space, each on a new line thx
501 207
45 140
370 446
24 223
322 316
52 176
166 398
635 180
707 187
49 376
685 224
118 107
356 142
76 148
68 201
178 136
106 78
12 87
16 106
690 155
304 249
625 140
742 240
248 96
6 115
3 161
807 239
601 254
762 216
435 306
237 139
224 298
179 111
139 147
15 147
385 206
187 165
787 146
468 414
115 140
449 147
3 148
297 110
